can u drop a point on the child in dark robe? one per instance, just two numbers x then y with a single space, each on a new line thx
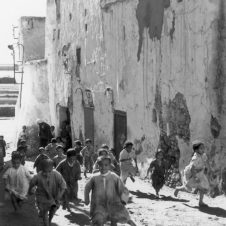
158 171
60 155
38 161
106 199
50 188
71 172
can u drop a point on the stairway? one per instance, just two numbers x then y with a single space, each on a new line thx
8 99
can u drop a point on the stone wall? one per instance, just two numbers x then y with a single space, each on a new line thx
162 61
32 36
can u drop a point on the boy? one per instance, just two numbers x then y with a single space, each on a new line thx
50 188
38 161
71 172
125 158
16 180
78 148
88 157
2 151
22 149
51 148
60 155
107 190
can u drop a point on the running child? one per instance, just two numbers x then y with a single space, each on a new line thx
158 171
194 174
60 155
16 180
107 189
38 161
50 188
71 172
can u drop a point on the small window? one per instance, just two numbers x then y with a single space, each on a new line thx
86 27
57 2
85 12
70 16
78 55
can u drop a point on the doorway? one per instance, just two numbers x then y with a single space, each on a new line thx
65 126
120 131
89 123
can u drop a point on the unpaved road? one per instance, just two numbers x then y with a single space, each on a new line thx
145 209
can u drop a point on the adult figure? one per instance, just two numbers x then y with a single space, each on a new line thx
44 133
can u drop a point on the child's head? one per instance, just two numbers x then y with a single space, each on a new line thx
23 143
105 146
1 137
53 141
198 147
47 167
59 140
102 152
71 155
88 142
128 146
41 150
78 143
104 163
60 149
24 128
159 154
16 159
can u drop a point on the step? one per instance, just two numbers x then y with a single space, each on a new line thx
9 92
7 111
8 101
9 95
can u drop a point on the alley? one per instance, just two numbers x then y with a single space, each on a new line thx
144 208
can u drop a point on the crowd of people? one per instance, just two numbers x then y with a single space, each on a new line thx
59 168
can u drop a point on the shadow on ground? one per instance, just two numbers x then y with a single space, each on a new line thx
150 196
216 211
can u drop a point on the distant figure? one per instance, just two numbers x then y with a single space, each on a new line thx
126 157
78 148
87 154
50 189
44 133
51 148
106 198
16 180
38 161
71 172
157 169
52 129
23 135
2 151
195 173
23 149
60 155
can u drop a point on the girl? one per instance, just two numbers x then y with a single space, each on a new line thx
194 173
106 203
50 188
158 170
16 180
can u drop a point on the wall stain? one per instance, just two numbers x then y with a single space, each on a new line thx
215 127
150 14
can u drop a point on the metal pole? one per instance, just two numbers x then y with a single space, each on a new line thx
14 67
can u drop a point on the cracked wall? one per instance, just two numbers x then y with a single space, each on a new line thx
160 61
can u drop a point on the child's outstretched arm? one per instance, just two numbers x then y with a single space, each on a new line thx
88 188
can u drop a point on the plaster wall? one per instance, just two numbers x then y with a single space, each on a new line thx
160 58
32 36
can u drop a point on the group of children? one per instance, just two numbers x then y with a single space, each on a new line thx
57 179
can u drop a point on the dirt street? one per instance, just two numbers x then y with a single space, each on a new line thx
144 208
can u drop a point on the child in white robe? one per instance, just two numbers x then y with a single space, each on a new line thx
107 190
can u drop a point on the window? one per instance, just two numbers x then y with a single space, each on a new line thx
57 2
78 55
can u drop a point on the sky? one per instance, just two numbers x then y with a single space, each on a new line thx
10 12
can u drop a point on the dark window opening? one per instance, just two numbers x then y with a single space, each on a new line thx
85 12
57 2
78 55
86 27
58 34
70 16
